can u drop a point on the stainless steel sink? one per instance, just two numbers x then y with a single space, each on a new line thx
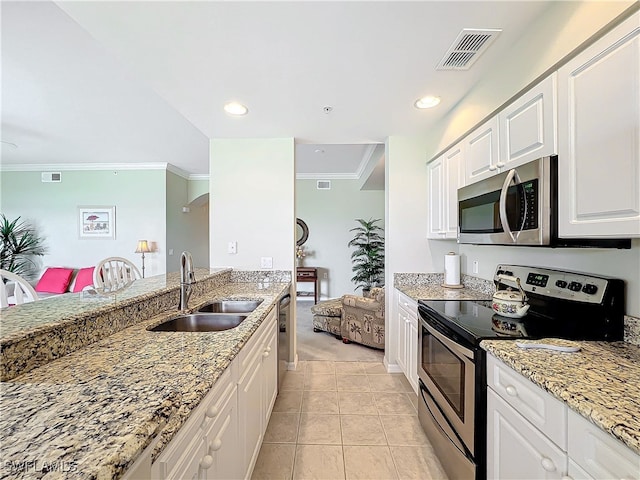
230 306
200 322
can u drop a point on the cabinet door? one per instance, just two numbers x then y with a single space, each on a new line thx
222 442
528 126
412 355
250 401
436 196
599 137
402 340
270 374
600 455
515 449
454 180
481 152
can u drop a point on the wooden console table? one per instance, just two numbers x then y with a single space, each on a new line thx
308 274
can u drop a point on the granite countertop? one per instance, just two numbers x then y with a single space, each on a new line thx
601 381
428 286
91 413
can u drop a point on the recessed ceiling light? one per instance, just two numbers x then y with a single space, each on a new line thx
235 108
427 102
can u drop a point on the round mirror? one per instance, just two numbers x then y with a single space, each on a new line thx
302 232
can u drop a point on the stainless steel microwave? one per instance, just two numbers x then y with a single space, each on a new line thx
518 207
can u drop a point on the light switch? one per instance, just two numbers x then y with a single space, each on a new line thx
232 247
266 262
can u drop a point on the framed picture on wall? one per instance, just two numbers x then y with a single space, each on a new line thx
97 222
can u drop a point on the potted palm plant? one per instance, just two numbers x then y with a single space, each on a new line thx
368 256
19 244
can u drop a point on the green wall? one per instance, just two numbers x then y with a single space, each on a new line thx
138 196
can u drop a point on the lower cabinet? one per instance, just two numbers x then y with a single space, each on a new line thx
531 434
408 338
223 435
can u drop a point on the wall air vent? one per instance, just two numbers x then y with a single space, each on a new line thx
49 177
465 50
324 184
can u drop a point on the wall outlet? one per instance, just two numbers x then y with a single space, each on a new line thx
475 266
171 251
232 247
266 262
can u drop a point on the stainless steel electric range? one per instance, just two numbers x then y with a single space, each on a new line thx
452 366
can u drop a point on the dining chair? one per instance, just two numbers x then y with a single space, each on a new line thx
23 292
114 272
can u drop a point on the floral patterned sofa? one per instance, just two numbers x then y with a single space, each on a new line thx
353 318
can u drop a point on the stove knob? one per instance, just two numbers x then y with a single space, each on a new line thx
575 286
590 289
561 284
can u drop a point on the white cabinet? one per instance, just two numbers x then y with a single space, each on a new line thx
598 454
212 426
445 176
257 389
599 137
481 152
223 435
531 434
408 338
528 125
515 448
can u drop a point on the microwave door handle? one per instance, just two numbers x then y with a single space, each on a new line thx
504 220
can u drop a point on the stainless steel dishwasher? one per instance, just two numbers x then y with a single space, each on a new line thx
284 329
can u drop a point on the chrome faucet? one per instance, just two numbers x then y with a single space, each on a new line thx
187 279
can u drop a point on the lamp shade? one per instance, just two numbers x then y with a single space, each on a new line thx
143 247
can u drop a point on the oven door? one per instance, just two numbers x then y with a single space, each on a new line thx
447 371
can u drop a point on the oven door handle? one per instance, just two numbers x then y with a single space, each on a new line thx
464 450
504 220
451 345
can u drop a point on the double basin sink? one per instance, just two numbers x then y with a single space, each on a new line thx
211 317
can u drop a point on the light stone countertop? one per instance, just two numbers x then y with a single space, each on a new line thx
601 382
428 286
92 412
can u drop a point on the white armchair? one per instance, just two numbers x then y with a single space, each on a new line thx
15 290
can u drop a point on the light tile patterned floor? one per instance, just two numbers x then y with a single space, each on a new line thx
345 420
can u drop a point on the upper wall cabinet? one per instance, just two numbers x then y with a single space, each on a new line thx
445 177
528 126
481 154
599 137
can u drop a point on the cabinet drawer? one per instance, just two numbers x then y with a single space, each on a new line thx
601 455
548 414
257 339
407 307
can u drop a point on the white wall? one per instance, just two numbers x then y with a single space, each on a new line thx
139 198
252 202
186 231
330 214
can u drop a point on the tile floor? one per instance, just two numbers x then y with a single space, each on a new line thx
345 420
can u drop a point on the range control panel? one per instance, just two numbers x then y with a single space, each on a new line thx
555 283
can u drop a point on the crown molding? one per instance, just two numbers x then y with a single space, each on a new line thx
326 176
199 176
47 167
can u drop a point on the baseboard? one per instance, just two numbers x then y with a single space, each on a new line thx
293 365
391 367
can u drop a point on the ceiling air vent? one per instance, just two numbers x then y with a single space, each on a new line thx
465 50
48 177
324 184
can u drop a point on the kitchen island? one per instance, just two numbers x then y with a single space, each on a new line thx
92 412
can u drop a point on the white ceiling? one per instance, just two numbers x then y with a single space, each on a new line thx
145 82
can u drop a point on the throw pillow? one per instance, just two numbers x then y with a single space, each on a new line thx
84 278
55 280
